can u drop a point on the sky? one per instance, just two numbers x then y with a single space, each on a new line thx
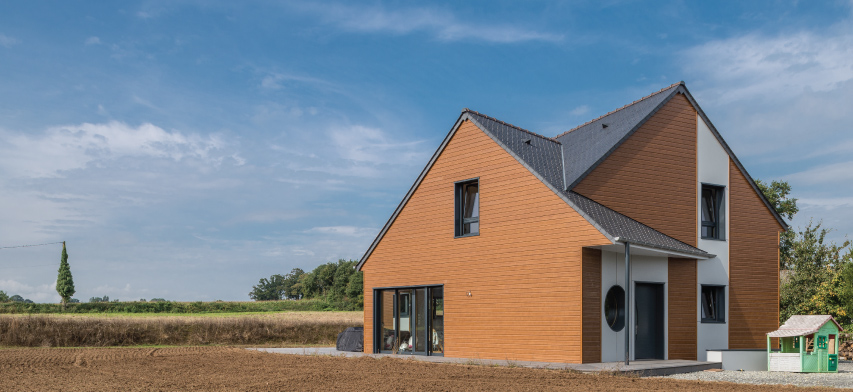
186 149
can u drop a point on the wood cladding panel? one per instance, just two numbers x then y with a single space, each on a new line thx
652 176
592 305
753 266
523 271
682 291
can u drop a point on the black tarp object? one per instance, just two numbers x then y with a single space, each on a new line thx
351 340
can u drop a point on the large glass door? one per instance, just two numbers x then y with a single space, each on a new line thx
409 321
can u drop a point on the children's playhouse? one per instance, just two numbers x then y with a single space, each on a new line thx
807 344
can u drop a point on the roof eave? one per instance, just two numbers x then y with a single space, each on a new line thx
666 249
732 155
462 117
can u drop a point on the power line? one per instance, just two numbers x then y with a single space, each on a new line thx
27 246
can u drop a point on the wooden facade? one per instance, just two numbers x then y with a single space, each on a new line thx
591 305
528 287
753 266
523 271
682 291
651 177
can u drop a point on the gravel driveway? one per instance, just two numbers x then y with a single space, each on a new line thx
842 379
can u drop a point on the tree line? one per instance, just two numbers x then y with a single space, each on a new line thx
336 283
816 274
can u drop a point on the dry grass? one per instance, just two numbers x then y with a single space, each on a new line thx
292 328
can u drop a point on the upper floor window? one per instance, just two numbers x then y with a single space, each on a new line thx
467 208
712 212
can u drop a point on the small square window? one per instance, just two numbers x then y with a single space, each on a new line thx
467 208
712 212
713 304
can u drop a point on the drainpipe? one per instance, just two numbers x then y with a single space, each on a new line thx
627 302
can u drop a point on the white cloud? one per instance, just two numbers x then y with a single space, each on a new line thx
580 110
841 172
782 66
441 24
7 41
39 293
73 147
93 41
348 231
361 144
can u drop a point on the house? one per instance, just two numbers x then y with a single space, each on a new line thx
513 245
808 344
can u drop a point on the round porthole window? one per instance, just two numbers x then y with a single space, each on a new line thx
614 308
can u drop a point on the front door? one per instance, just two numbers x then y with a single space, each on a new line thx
649 327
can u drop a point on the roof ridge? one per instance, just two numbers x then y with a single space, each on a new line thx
466 110
681 83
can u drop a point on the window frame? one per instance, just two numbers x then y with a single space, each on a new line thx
719 309
459 218
718 224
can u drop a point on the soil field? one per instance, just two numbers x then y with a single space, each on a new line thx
224 368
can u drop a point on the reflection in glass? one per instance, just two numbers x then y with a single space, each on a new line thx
404 307
437 321
386 315
420 315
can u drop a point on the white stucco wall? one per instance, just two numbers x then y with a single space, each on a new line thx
713 162
643 269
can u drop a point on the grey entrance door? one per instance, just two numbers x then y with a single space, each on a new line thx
649 325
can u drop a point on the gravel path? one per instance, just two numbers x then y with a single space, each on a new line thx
842 379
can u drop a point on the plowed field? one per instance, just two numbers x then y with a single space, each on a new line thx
220 368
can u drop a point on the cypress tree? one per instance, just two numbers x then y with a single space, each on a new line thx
64 282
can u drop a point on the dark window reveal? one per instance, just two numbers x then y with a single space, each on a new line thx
713 304
712 212
467 208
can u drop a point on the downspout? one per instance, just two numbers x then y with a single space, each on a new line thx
627 302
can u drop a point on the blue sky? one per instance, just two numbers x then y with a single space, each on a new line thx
186 149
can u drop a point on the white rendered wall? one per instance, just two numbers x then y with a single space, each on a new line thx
713 162
650 269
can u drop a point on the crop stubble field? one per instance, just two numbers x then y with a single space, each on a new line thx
93 330
229 368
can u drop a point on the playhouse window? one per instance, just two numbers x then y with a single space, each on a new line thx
467 208
713 304
712 212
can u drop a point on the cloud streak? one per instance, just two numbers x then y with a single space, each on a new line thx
74 147
8 42
783 66
440 24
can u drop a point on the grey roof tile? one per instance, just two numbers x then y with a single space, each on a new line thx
627 229
542 155
590 143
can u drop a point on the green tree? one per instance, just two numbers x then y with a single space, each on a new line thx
268 289
777 194
291 284
3 296
64 282
813 282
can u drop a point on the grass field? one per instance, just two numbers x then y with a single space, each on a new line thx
133 329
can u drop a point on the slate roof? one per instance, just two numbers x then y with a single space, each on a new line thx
563 161
588 144
802 325
543 156
540 153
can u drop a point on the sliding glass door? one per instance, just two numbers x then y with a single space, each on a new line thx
409 320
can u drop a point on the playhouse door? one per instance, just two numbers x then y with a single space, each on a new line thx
649 327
